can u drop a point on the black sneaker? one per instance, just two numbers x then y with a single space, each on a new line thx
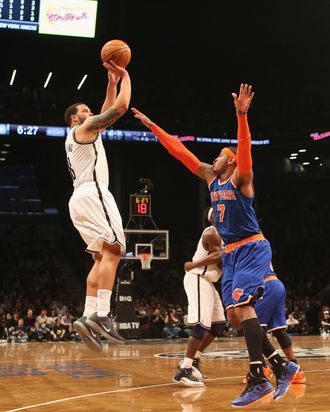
186 377
88 336
196 364
105 327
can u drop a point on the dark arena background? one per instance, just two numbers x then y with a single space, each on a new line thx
187 59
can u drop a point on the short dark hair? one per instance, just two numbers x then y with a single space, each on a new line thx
70 111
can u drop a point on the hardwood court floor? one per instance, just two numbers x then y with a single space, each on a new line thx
137 376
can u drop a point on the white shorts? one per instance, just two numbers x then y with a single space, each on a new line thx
204 303
96 216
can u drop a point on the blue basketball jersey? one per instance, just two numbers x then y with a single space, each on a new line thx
234 215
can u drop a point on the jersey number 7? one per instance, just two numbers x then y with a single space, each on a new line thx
221 208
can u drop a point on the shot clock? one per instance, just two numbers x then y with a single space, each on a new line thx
140 205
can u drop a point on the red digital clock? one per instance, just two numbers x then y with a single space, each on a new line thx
140 205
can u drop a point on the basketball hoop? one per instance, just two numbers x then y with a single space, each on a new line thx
145 259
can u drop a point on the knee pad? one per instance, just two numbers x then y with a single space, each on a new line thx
198 332
283 338
217 328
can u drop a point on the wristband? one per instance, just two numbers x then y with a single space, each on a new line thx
239 113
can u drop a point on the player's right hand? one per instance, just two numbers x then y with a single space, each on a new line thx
144 119
115 69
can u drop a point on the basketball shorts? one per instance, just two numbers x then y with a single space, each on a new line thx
270 309
95 215
204 303
243 272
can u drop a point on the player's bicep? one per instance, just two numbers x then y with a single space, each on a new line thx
244 182
205 172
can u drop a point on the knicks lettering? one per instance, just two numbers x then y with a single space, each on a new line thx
237 293
223 195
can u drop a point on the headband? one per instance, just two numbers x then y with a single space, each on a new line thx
229 153
209 214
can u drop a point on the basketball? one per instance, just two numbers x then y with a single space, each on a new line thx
117 51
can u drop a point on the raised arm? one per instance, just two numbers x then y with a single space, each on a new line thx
243 175
177 149
111 92
94 124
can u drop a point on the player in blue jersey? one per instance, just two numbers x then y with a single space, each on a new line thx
247 254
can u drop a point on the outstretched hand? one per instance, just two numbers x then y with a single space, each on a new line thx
243 101
115 72
144 119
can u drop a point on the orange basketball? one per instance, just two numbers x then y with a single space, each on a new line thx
117 51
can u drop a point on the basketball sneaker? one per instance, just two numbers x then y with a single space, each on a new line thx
200 375
88 336
267 372
300 377
186 377
285 378
105 327
256 388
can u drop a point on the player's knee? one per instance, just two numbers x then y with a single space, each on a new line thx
233 319
198 332
217 329
282 338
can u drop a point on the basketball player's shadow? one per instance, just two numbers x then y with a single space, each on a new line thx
188 397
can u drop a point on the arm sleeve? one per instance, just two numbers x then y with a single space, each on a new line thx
243 156
177 149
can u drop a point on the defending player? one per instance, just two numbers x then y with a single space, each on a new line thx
205 310
93 209
271 315
247 254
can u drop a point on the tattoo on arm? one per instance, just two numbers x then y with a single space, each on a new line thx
101 121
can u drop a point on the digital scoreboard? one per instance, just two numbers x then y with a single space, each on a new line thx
140 205
58 17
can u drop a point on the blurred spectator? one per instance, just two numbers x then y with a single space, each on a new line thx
57 332
172 328
19 333
293 328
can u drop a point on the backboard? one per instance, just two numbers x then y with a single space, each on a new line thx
140 241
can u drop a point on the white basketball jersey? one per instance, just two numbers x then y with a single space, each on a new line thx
210 272
87 161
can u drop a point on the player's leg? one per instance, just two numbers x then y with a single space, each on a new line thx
285 342
217 326
198 294
88 336
250 269
99 321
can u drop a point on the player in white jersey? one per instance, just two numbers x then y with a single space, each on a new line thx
93 209
205 310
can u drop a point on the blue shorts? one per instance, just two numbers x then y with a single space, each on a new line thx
243 272
270 309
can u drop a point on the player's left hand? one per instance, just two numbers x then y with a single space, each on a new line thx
243 101
144 119
188 266
115 72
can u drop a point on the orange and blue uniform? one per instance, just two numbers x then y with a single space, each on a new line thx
271 308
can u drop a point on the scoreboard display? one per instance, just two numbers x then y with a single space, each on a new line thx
19 14
58 17
140 205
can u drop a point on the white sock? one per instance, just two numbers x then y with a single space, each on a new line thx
187 363
198 354
90 305
103 302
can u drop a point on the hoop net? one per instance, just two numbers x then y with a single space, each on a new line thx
145 259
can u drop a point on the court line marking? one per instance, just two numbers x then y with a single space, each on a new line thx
89 395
